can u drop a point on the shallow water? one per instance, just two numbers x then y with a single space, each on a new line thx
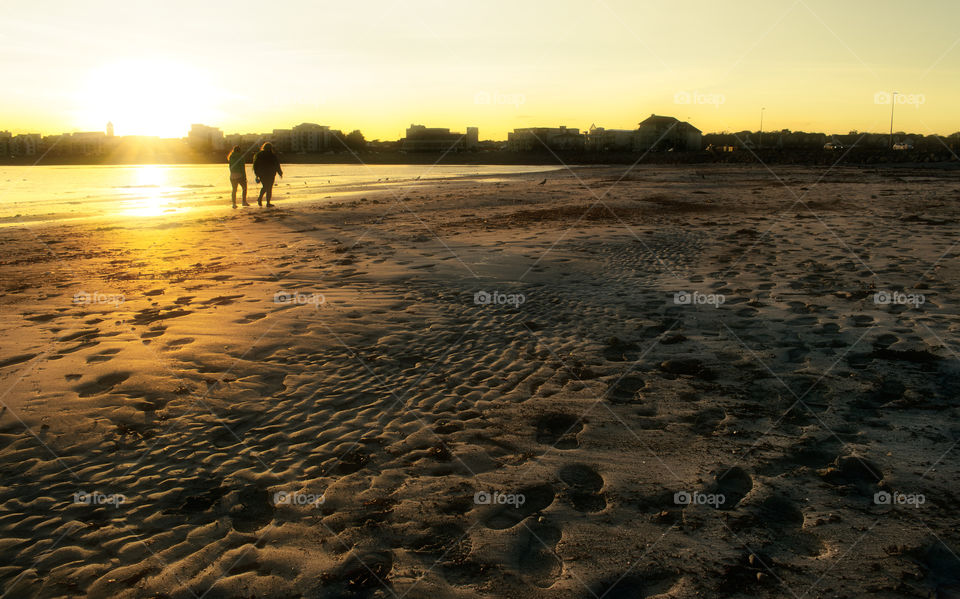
46 193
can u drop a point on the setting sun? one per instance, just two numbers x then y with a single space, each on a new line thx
147 97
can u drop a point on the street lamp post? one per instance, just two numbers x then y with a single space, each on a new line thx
893 103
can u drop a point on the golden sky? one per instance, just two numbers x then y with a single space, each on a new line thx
250 66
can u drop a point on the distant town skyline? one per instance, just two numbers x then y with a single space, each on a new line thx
109 129
905 122
656 133
813 65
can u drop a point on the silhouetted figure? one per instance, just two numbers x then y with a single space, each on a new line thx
238 174
266 166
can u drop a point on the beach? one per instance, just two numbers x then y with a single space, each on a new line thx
610 382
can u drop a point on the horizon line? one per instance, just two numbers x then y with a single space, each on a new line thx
583 131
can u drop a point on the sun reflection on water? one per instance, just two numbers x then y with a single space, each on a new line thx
153 195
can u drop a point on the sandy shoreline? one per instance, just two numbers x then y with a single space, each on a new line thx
307 401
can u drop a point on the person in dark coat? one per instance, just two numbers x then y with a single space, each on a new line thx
266 166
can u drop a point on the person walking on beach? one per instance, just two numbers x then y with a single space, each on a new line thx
266 166
238 174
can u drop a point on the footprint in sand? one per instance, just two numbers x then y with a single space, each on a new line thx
626 390
632 585
939 563
686 367
361 575
733 483
852 470
618 350
886 340
584 486
178 343
253 317
353 461
706 421
830 328
155 331
503 516
151 315
559 430
220 300
809 452
536 556
886 390
17 360
42 317
783 520
253 509
103 384
448 542
858 361
103 356
75 348
85 334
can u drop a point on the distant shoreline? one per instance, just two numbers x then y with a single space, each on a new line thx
854 157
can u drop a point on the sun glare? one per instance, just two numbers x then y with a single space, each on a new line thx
148 97
150 189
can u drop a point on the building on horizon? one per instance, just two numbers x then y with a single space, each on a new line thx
109 128
310 137
599 139
85 143
560 139
305 138
25 144
248 142
204 139
667 133
436 139
5 139
282 139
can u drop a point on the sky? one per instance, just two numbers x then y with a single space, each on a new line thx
153 68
